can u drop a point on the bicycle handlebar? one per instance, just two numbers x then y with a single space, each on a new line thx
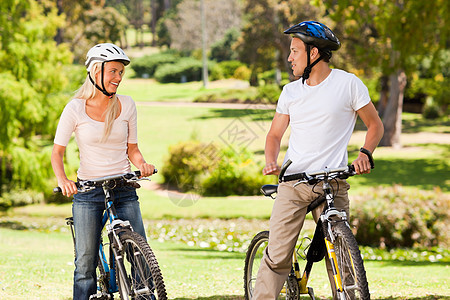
128 177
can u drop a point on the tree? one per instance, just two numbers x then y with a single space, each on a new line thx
32 76
392 35
88 22
185 27
262 45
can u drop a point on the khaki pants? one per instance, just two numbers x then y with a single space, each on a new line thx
286 221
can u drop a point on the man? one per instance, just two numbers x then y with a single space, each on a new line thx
321 109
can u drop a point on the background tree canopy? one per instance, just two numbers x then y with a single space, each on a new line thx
31 93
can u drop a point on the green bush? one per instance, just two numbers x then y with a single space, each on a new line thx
185 163
236 174
229 67
147 65
208 169
268 93
393 217
15 198
185 69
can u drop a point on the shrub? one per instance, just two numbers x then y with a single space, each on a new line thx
268 93
186 162
243 73
15 198
228 67
185 69
394 217
149 63
236 174
210 170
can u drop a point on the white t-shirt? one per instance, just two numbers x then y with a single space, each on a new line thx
99 159
322 119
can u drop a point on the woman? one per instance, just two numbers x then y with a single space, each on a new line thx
106 133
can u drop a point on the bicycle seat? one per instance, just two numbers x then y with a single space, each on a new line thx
269 189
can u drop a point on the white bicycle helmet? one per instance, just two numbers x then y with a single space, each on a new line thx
103 53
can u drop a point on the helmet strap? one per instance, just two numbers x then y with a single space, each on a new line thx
309 65
101 89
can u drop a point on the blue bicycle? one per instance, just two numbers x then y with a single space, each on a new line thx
131 267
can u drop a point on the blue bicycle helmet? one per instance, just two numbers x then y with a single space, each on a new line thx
318 35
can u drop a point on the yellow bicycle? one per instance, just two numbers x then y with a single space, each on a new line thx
332 238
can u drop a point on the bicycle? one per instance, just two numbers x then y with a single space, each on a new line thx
136 277
332 237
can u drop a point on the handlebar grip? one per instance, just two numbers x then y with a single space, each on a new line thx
57 190
138 173
369 155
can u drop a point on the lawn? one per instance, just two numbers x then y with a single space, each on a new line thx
38 264
36 257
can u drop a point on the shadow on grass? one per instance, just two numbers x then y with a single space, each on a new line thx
430 297
421 173
254 114
409 263
221 297
236 297
199 253
14 225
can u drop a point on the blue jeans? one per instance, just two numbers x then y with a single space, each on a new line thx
87 212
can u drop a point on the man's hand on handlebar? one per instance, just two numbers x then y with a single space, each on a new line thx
271 169
362 164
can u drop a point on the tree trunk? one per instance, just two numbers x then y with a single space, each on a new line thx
382 102
392 116
154 10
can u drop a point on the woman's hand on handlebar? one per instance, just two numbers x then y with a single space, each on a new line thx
271 169
146 170
68 187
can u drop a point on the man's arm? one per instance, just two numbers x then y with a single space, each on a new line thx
279 125
375 130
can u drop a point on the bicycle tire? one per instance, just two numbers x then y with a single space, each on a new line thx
252 261
138 256
350 263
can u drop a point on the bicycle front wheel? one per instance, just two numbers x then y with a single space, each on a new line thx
142 278
252 262
350 264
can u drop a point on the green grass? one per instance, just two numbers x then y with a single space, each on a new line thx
38 264
151 90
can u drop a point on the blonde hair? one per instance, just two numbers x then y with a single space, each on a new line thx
88 91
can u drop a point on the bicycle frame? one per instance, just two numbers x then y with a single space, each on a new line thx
323 224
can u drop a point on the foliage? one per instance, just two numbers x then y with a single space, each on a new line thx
247 95
229 67
185 69
210 170
386 35
223 49
242 73
237 173
31 98
185 164
88 23
184 26
14 198
147 65
262 44
268 93
392 217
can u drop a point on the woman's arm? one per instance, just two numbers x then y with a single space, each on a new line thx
136 158
68 187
